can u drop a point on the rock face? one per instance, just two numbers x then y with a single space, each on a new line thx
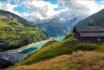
4 63
3 47
7 59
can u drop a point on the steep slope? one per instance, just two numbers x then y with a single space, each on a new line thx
10 14
76 61
96 19
54 49
63 55
16 32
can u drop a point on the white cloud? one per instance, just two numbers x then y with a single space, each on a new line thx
92 5
6 6
40 9
83 6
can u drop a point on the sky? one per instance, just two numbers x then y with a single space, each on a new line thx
45 9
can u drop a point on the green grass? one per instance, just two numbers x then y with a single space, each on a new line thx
57 48
14 34
81 60
54 49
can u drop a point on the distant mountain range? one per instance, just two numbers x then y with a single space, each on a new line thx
16 31
65 23
60 25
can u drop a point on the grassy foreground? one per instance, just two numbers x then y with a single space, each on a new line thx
54 49
75 61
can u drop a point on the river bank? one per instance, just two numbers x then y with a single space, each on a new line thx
17 55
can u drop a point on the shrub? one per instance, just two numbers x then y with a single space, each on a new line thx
86 47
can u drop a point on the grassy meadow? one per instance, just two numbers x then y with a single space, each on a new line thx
59 48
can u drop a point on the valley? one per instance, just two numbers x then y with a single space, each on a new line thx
51 35
16 55
57 53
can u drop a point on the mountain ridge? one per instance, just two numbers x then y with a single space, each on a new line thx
60 25
93 20
16 31
19 18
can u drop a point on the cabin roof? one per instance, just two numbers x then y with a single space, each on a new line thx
90 28
92 34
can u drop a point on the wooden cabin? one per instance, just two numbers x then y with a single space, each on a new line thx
89 33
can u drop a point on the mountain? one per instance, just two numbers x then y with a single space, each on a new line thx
61 24
69 54
96 19
16 31
10 14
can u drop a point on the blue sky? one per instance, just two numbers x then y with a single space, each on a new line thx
52 1
21 8
44 9
99 1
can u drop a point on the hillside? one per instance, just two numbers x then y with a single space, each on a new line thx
57 49
76 61
65 52
16 32
96 19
